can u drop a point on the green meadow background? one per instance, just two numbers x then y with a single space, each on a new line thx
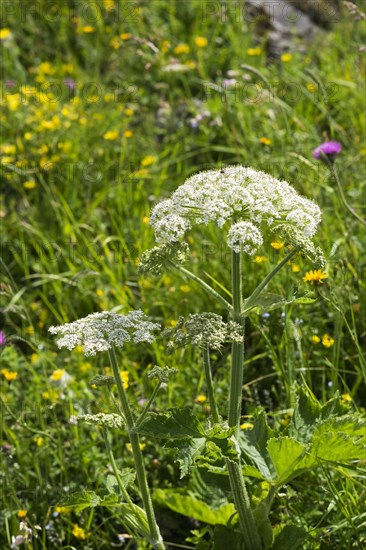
107 107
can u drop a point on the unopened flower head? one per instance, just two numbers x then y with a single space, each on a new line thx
164 257
101 331
239 196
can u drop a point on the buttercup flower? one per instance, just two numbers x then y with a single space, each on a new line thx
242 196
101 331
329 149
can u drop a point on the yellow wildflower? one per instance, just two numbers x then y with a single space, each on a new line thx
115 43
99 292
9 375
111 135
165 45
311 87
315 339
84 367
181 48
190 64
28 136
315 276
30 184
128 133
57 374
295 268
125 36
34 357
185 288
201 42
346 397
146 219
78 532
260 259
200 398
79 349
286 57
129 446
247 426
8 148
147 161
128 111
62 509
265 141
254 51
87 29
39 441
327 341
21 513
4 34
277 245
125 378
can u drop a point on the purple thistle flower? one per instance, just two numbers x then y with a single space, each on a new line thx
329 149
2 338
70 83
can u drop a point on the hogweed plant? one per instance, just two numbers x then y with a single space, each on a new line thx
248 206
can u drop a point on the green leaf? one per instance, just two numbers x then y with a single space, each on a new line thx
176 424
224 442
289 457
264 527
135 519
337 447
253 445
127 477
189 506
291 537
225 538
79 501
187 451
305 415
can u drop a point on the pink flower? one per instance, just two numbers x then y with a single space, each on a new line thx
2 338
329 149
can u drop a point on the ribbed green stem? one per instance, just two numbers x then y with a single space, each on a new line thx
156 539
209 385
247 523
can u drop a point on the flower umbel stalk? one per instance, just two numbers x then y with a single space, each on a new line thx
156 539
246 519
209 384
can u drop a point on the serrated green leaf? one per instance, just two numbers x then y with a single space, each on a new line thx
291 537
350 424
222 439
127 477
187 451
79 501
289 457
190 506
176 424
253 445
305 415
337 447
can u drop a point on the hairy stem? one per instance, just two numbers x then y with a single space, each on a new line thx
156 539
246 519
209 384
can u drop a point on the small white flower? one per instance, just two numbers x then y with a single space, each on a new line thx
234 194
244 236
101 331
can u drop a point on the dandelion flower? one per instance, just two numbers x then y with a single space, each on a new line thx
200 398
265 141
147 161
254 51
111 135
315 276
128 133
78 532
181 48
286 57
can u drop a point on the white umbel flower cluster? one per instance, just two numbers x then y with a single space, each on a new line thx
236 194
101 331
